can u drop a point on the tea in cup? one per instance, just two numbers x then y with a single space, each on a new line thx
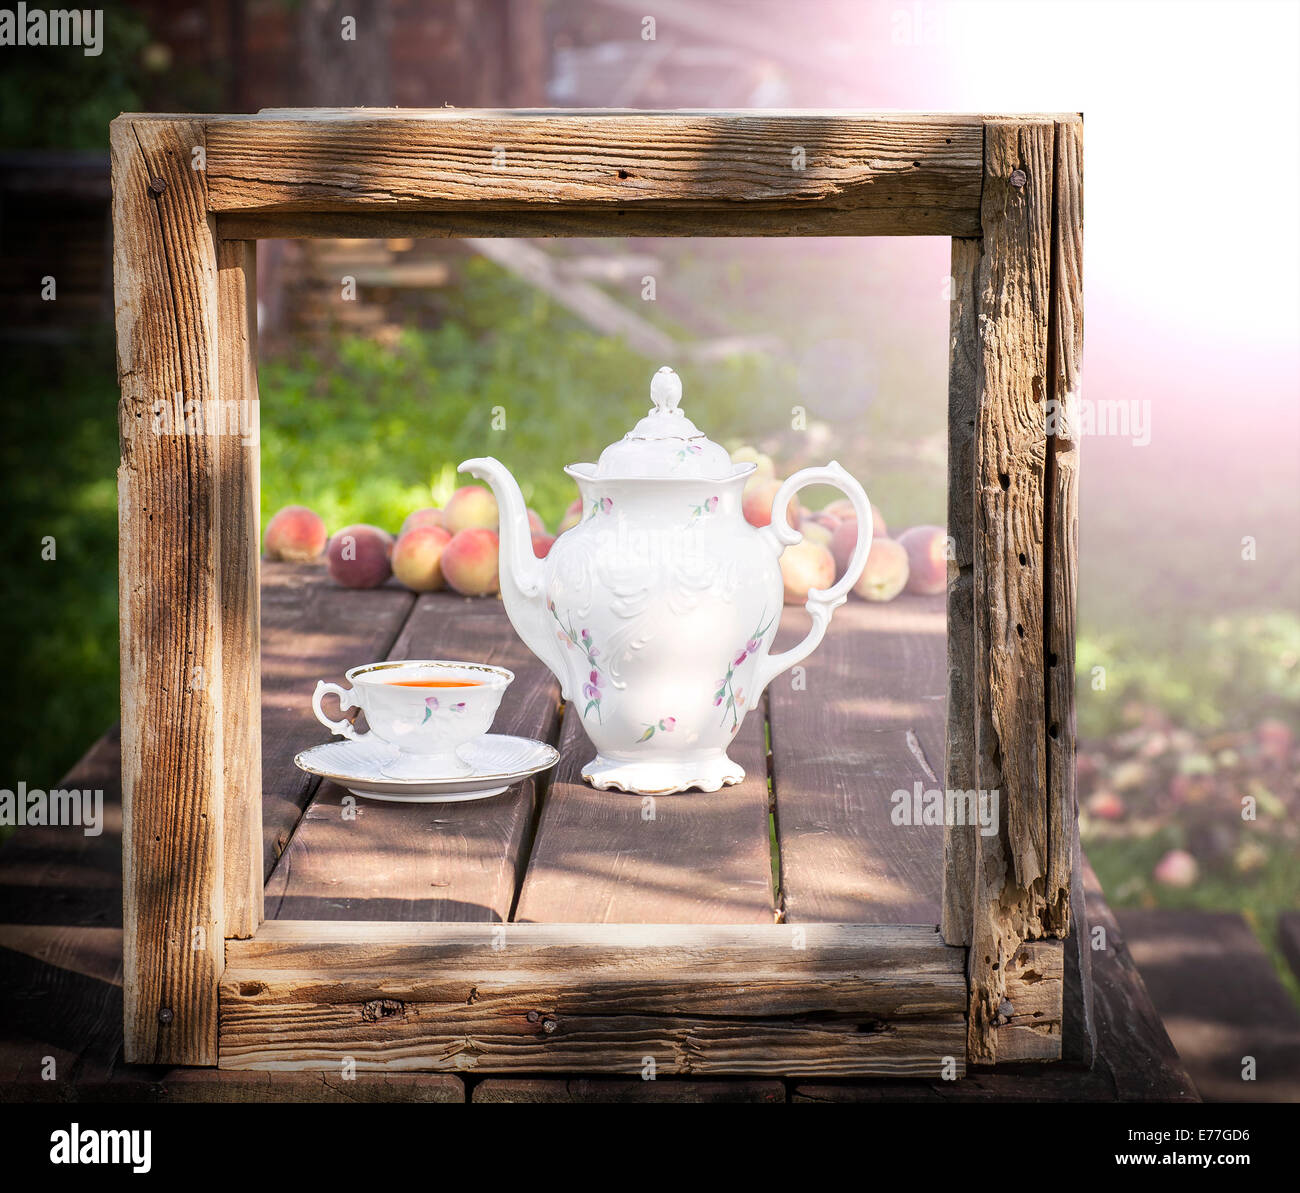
426 709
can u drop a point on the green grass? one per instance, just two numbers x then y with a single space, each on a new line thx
59 460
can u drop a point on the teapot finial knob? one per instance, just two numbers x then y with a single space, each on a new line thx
666 390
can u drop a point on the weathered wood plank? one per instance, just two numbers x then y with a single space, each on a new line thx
1235 1026
959 754
347 947
360 859
239 499
690 858
169 491
597 998
311 629
1010 866
1135 1062
1061 559
1030 1018
899 174
867 723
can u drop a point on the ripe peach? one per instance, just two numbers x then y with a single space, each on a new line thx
360 556
1105 805
885 573
469 561
927 558
295 532
1177 868
471 506
756 502
417 558
425 517
803 566
536 522
842 508
816 531
843 539
542 544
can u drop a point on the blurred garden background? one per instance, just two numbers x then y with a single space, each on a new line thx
1189 635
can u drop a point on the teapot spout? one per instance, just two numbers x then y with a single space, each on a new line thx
522 574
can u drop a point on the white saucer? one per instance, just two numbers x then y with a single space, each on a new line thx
498 762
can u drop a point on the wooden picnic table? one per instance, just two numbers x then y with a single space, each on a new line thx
806 838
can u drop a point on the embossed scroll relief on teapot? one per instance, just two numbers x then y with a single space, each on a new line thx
658 610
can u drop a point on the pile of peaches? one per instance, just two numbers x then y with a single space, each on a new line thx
457 547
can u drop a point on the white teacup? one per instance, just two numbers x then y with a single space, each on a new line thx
426 708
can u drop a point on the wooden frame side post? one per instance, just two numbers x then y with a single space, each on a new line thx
1010 869
1062 518
959 743
164 267
239 501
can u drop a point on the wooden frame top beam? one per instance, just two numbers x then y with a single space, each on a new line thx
755 172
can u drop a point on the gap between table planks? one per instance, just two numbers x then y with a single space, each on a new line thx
869 722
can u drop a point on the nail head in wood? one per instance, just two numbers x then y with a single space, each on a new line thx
1018 178
157 186
165 1015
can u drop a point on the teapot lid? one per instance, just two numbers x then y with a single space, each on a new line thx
665 443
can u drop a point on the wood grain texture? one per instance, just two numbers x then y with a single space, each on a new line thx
311 629
889 173
1010 870
354 858
868 723
239 481
600 998
1029 1019
690 858
169 492
1062 522
960 772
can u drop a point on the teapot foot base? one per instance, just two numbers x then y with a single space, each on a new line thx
663 778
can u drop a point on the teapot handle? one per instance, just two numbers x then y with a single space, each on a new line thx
821 603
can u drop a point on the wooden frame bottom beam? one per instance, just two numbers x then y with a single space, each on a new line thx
787 1000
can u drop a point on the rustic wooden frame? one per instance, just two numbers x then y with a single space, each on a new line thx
207 982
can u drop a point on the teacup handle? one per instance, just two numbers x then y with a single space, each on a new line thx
821 602
343 728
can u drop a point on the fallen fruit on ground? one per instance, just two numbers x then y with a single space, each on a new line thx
1177 869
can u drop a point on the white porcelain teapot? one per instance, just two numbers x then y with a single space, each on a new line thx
657 611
